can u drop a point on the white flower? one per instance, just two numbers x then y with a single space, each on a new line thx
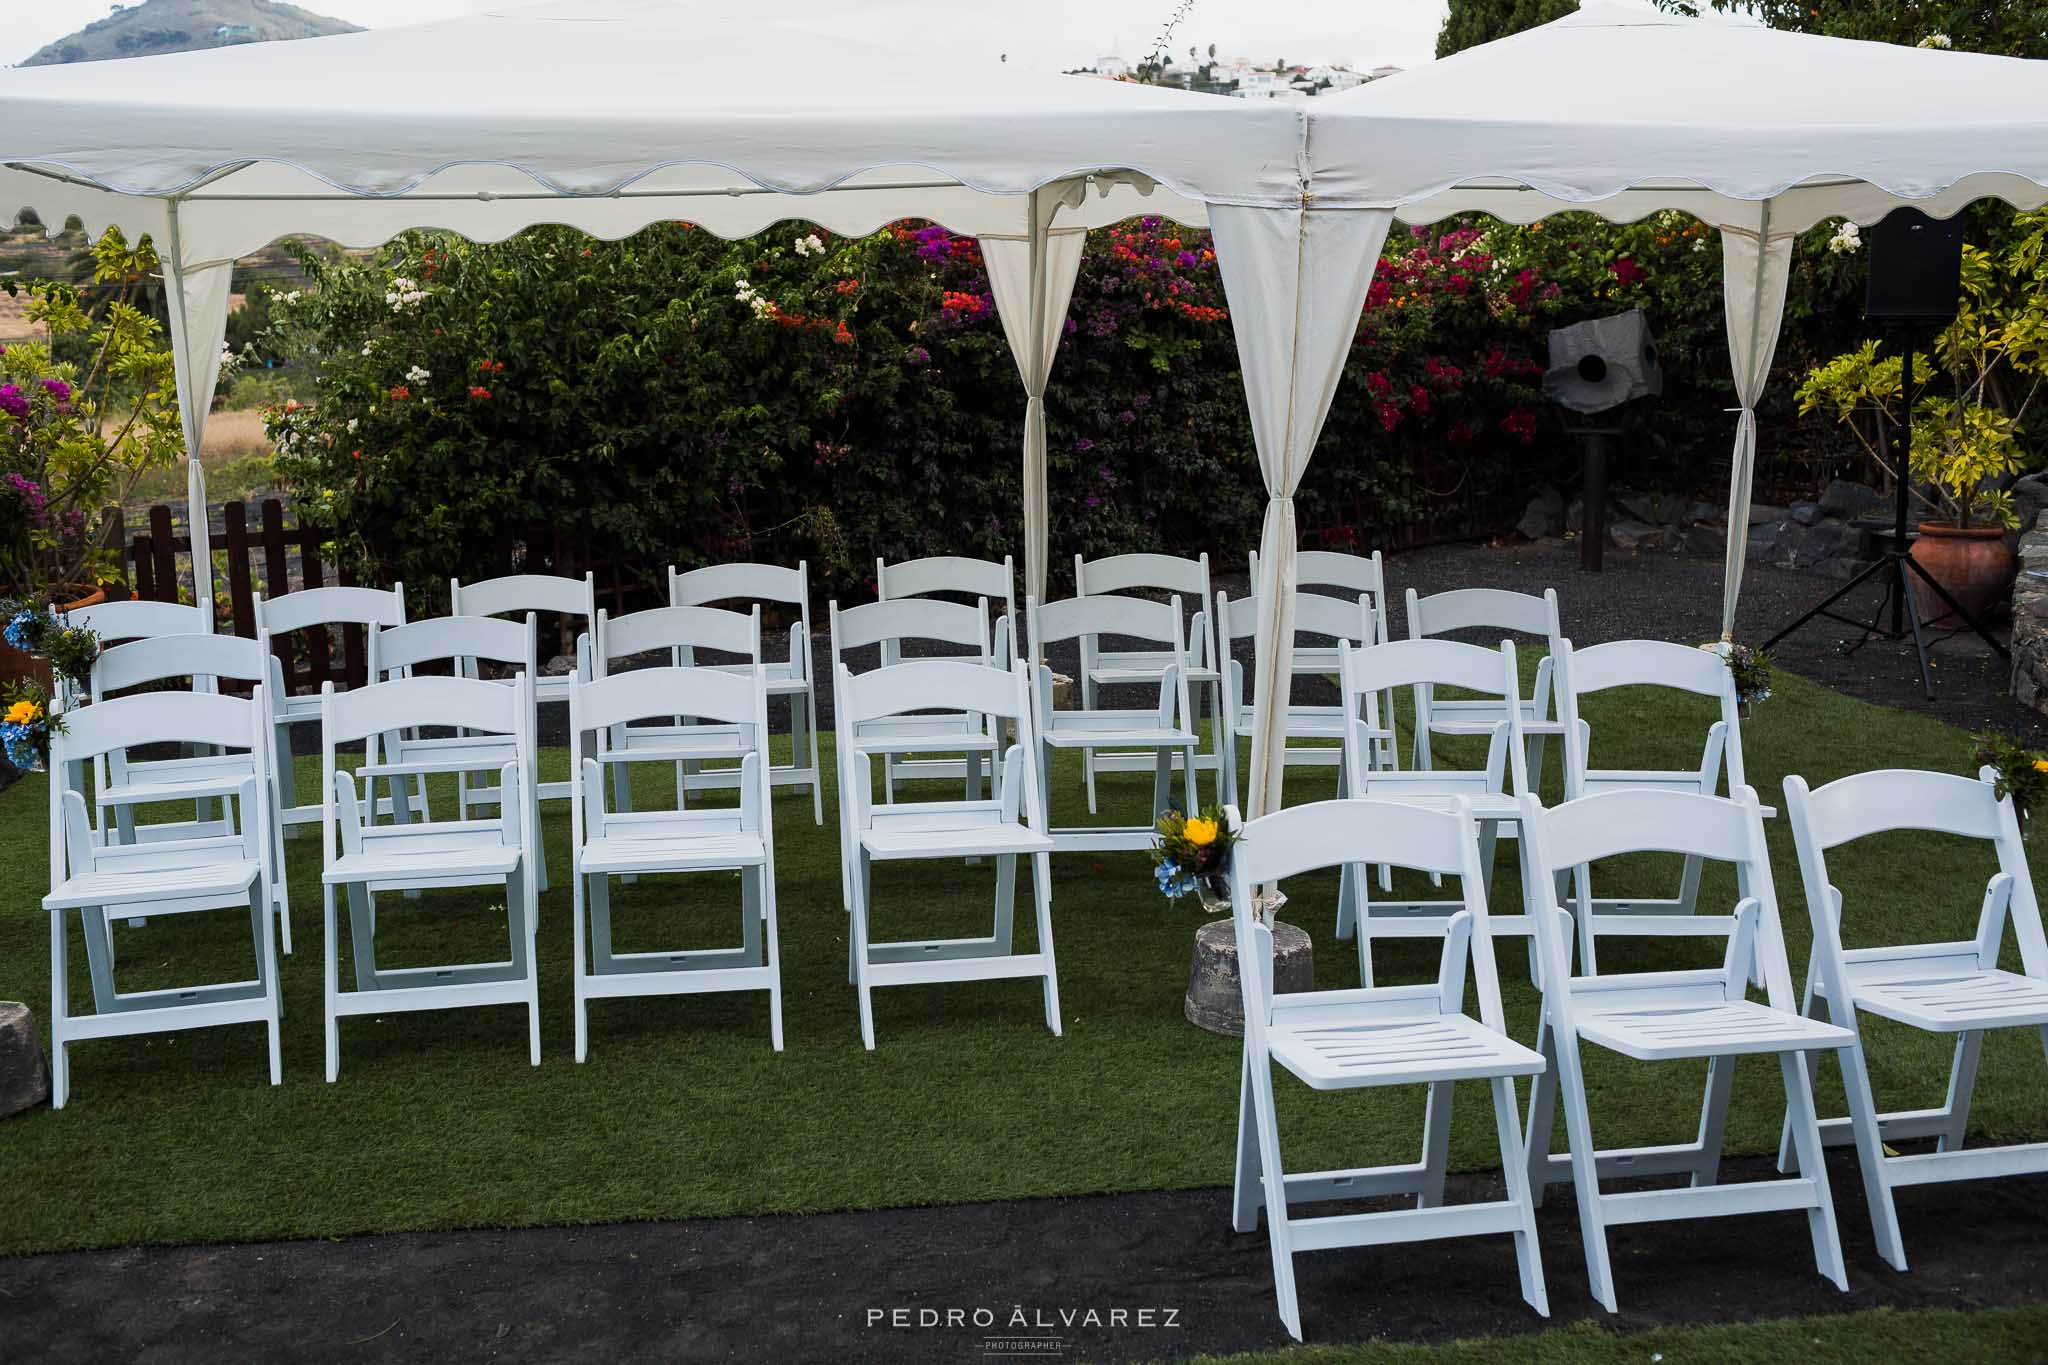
404 295
353 423
286 300
366 348
809 245
418 375
1848 239
1940 40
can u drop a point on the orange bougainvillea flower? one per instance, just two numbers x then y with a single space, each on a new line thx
480 393
399 393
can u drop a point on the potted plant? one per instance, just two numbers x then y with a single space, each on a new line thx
1967 418
85 412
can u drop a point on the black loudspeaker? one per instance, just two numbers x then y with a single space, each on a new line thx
1916 268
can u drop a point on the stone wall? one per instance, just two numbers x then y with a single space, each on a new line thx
2030 618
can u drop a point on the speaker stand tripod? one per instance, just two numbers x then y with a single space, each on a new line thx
1895 568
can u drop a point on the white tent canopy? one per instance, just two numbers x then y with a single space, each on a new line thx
1759 133
609 115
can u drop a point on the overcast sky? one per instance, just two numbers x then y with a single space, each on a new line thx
1042 34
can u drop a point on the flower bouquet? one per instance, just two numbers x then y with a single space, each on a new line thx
33 628
2020 772
1193 857
1751 668
26 725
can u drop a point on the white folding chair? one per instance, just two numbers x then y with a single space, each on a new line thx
1167 729
676 633
463 643
887 624
98 879
315 609
1675 1015
1579 673
957 577
1375 1036
1116 665
1010 825
519 595
1333 573
1322 727
611 843
1490 612
1953 988
793 677
122 784
361 857
1365 675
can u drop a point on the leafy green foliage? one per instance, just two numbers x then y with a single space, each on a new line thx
1468 23
2013 28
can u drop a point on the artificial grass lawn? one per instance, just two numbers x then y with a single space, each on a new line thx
683 1109
1989 1334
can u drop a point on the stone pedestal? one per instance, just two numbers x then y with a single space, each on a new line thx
1214 1001
24 1076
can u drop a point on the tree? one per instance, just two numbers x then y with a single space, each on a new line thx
2012 28
1469 23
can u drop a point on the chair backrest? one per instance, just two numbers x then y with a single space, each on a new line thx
1888 799
1365 671
1580 673
1484 609
458 640
1713 828
954 574
331 606
1356 833
957 577
1349 574
202 658
720 696
893 621
140 620
676 629
930 685
1335 618
741 583
1122 573
1075 617
517 594
107 728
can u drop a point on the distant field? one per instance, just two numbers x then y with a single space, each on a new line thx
237 460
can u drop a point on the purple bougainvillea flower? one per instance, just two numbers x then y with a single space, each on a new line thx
58 390
1084 445
13 402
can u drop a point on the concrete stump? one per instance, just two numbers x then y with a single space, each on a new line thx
1214 1001
24 1076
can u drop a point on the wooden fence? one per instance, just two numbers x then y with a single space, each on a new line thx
277 555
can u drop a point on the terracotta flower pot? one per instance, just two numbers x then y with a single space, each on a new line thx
1971 562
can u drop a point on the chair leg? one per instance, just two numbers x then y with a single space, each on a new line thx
864 885
1514 1168
1162 782
1245 1189
1194 798
1870 1157
1689 885
1820 1219
1436 1144
1006 901
260 917
99 956
1278 1231
1585 1170
1588 932
600 892
1806 1008
579 969
1962 1084
60 1005
1087 755
1542 1121
773 953
817 777
1713 1121
362 936
1041 895
331 983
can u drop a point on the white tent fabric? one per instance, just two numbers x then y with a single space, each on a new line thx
1032 280
1297 283
609 115
1759 133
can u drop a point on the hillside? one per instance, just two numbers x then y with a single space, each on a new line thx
153 26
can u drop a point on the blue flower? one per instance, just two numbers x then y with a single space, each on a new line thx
1167 874
16 633
20 742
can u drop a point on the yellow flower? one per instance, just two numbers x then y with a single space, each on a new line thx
2041 765
1199 832
24 713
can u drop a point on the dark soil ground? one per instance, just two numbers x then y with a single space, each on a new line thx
827 1287
810 1288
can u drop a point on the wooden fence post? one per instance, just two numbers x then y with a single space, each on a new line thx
241 591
